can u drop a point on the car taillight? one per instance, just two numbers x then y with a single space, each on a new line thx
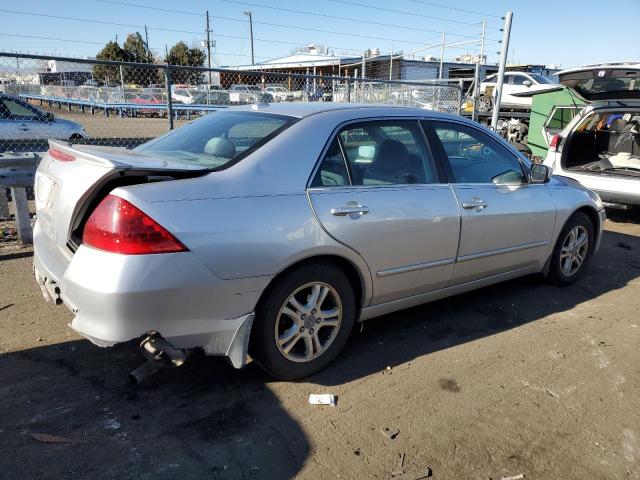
60 156
555 141
120 227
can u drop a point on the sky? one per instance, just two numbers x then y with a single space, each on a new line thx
565 33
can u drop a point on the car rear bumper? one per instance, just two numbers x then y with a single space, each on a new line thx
117 298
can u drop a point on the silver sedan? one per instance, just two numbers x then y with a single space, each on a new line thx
270 230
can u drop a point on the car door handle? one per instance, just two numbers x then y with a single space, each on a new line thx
474 204
349 209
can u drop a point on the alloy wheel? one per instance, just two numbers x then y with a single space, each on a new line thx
308 322
574 250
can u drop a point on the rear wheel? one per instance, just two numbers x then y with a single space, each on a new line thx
573 250
303 321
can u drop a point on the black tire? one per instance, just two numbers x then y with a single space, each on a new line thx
263 347
556 274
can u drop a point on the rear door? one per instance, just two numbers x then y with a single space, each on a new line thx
506 222
377 191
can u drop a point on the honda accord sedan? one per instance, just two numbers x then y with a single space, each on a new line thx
268 231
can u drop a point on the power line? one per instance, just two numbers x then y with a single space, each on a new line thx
51 38
293 27
391 10
351 19
432 4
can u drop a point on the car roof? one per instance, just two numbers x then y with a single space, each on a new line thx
306 109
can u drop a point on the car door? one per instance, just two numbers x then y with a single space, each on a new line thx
506 223
377 191
517 84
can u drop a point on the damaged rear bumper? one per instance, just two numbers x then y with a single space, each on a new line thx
117 298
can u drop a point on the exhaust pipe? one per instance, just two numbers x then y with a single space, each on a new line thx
159 354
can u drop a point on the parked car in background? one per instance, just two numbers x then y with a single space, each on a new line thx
149 99
600 147
280 94
184 95
266 228
514 82
21 121
240 93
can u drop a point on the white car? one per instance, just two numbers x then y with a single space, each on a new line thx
239 94
280 94
183 95
514 82
600 147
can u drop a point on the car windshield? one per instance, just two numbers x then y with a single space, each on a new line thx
218 140
540 78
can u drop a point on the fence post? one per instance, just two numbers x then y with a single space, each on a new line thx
348 89
461 99
4 204
167 80
23 223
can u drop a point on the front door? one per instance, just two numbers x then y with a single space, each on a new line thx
377 191
507 223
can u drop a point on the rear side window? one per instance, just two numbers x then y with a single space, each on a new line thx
475 157
386 153
333 170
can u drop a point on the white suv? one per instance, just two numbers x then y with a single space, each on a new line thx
514 82
600 147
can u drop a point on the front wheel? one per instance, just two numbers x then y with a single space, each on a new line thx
484 103
573 250
303 321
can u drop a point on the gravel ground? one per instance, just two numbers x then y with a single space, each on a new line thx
518 378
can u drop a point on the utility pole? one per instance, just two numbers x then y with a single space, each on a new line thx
208 47
250 15
441 57
146 39
476 79
503 63
166 53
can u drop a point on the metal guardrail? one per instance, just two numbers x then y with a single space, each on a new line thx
17 171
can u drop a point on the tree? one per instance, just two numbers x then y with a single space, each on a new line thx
136 50
108 73
181 54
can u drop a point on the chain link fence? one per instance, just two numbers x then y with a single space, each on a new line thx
124 104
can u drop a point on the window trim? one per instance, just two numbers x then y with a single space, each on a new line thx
335 134
524 167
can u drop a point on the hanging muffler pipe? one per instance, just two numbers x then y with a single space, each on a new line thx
159 354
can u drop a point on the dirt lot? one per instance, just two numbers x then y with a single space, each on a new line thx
519 378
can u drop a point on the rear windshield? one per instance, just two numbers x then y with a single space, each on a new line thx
220 139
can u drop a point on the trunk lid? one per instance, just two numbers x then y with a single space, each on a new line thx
604 82
66 190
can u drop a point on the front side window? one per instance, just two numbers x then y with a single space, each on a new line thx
477 158
387 152
218 140
519 79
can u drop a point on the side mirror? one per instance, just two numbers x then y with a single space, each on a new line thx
527 83
49 117
539 173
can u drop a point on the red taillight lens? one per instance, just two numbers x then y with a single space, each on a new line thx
555 141
60 156
118 226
